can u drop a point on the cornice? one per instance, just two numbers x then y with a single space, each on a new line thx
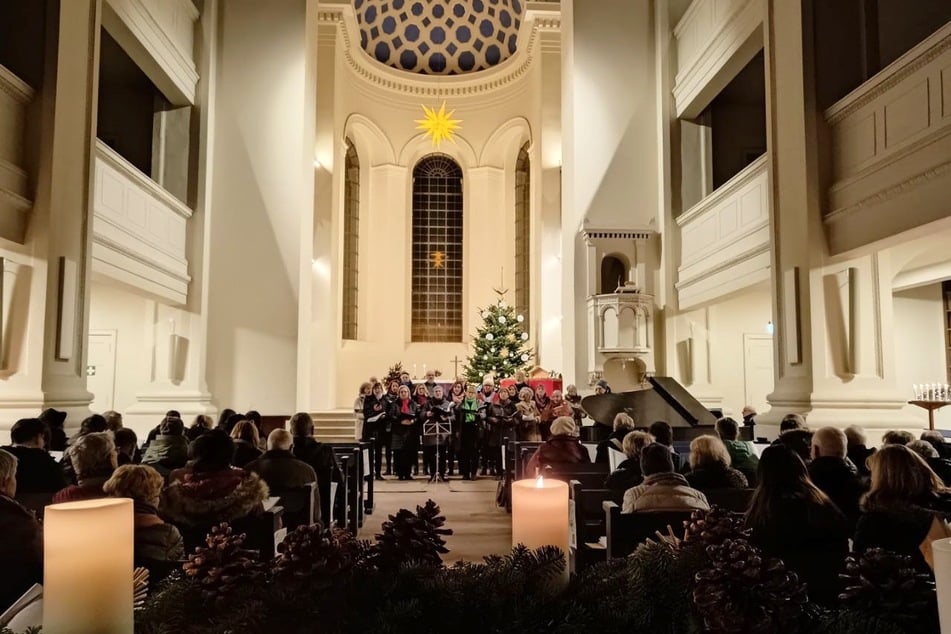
888 193
12 85
617 234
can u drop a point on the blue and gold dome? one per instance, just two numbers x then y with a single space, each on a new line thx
439 37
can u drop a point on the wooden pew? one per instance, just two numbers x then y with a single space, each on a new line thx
734 500
298 505
260 530
365 472
626 531
588 524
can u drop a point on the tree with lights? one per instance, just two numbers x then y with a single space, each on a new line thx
500 346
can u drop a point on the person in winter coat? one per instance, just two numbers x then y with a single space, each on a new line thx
374 427
437 416
557 406
832 472
246 441
169 449
527 416
21 550
405 413
662 489
628 473
857 451
710 466
623 425
154 540
742 456
469 417
358 420
563 447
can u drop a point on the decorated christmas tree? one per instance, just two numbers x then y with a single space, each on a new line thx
500 347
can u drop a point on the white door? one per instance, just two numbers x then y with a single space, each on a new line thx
101 369
757 370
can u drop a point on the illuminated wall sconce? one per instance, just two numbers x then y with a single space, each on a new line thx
770 328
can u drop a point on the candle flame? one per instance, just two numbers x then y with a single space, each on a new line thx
539 482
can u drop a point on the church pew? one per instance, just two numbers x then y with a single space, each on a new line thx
588 523
260 530
734 500
365 470
298 505
626 531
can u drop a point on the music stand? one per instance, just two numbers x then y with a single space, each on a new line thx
441 430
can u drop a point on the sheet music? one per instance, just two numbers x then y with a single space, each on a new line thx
592 450
26 611
615 458
270 503
333 496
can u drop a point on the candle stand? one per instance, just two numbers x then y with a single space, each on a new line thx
931 406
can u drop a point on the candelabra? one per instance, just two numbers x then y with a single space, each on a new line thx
931 397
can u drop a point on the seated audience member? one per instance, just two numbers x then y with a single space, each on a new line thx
664 436
56 421
94 424
93 458
113 420
936 439
792 519
562 447
792 421
742 456
21 549
940 466
320 456
201 425
127 447
799 440
246 440
169 449
281 470
905 502
623 425
628 472
897 437
154 539
37 471
710 466
208 491
856 450
834 474
662 489
224 418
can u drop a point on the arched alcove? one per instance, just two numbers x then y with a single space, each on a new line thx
613 273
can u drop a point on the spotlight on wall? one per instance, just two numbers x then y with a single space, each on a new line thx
769 327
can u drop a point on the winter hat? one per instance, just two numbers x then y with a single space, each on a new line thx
488 380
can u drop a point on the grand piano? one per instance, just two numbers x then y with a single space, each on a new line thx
662 399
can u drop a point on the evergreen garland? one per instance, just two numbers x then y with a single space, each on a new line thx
499 347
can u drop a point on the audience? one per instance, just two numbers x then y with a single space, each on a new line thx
154 539
798 440
936 439
897 437
792 519
202 424
56 421
93 458
246 440
208 490
835 476
21 549
224 418
628 472
37 471
113 420
856 450
792 421
940 466
562 447
280 470
127 447
169 449
623 425
662 489
905 503
742 456
320 456
664 436
710 466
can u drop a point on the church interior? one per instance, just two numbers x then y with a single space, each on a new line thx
678 211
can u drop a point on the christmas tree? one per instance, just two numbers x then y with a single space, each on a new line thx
500 345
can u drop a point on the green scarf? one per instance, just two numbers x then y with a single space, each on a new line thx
470 406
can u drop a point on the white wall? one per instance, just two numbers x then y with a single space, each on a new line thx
920 346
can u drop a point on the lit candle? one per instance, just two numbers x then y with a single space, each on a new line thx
88 565
540 515
941 551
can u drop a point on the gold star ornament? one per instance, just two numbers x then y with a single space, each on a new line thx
439 124
438 259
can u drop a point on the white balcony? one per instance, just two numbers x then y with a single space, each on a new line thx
715 39
724 239
15 96
139 230
891 148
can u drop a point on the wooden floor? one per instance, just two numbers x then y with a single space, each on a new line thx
479 527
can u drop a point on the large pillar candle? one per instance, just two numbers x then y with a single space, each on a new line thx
88 565
540 514
941 551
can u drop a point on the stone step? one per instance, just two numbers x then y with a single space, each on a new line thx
333 425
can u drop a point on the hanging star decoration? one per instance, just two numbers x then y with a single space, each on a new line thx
438 259
439 124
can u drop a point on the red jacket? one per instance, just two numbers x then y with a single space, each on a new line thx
559 449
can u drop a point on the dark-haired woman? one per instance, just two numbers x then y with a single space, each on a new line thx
374 426
405 414
456 395
793 520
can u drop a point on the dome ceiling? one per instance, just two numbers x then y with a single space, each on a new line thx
439 37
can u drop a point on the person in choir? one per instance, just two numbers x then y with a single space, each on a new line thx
792 421
467 432
742 456
623 425
406 380
897 437
710 466
421 395
21 549
201 425
563 447
906 507
246 440
358 420
392 395
662 488
37 472
127 447
374 426
405 414
155 541
941 466
790 518
526 416
831 471
497 421
456 395
93 458
664 435
507 402
521 381
628 472
56 421
557 406
487 397
113 420
574 400
209 490
430 382
169 449
856 449
438 414
281 470
541 401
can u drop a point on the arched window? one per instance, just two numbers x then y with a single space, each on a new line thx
523 235
351 240
437 250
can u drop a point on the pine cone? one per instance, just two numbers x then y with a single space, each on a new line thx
715 526
409 536
222 565
886 583
310 553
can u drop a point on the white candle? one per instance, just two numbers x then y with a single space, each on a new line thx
88 564
941 551
540 515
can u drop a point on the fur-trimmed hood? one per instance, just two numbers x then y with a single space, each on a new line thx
204 498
